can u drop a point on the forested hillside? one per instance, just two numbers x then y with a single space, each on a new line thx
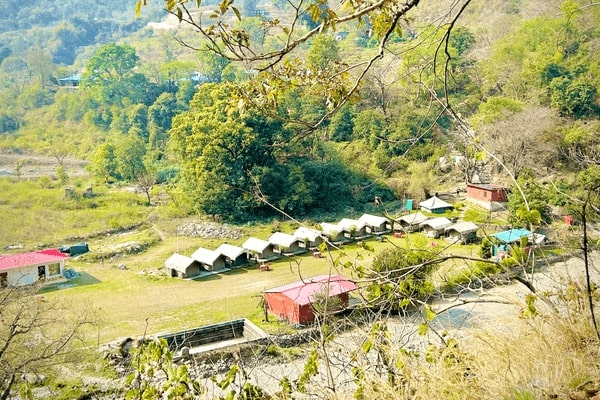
275 116
64 29
525 83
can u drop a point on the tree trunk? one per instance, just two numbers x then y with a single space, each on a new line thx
9 384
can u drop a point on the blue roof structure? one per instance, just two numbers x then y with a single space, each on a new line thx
70 80
512 235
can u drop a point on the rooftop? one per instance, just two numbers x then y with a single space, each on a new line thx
435 202
230 251
41 257
437 223
255 244
414 218
302 292
307 233
375 220
282 239
205 256
487 186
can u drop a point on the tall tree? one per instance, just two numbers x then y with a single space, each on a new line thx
519 139
323 52
111 76
40 65
211 65
104 162
129 156
221 151
17 71
111 64
537 209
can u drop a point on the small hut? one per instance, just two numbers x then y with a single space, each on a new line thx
490 196
286 244
410 222
293 302
461 232
235 256
333 232
435 227
435 205
259 250
375 224
28 268
209 259
308 238
353 229
182 266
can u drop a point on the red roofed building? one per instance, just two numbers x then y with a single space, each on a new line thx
487 195
28 268
293 301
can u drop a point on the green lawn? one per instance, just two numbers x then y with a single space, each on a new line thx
34 215
141 298
130 298
127 299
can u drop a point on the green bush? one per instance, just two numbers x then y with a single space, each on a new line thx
476 215
485 250
476 271
45 182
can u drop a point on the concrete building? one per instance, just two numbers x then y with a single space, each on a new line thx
28 268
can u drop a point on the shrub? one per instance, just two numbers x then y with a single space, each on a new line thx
45 182
476 271
485 250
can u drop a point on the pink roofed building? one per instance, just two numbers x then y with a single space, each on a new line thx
27 268
293 301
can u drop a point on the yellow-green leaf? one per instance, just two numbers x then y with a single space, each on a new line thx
429 314
138 9
403 303
423 329
367 345
237 13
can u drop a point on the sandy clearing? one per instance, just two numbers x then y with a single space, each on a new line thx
36 165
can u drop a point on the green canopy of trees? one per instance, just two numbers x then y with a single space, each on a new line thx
232 165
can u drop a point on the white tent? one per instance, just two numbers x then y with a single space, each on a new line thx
435 205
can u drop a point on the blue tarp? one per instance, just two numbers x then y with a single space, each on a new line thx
512 235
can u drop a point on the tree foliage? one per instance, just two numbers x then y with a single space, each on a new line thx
221 151
233 163
400 278
538 209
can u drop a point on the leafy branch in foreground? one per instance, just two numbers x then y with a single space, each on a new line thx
276 59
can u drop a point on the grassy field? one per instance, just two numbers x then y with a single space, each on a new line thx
38 213
123 277
128 299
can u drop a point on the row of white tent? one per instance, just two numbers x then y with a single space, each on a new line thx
303 239
434 227
278 244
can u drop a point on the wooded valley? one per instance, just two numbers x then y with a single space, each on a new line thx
272 116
